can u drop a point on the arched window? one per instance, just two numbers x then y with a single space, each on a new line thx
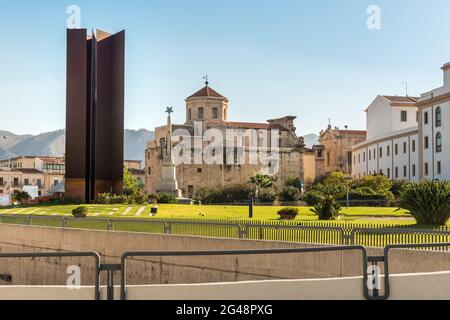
438 117
438 142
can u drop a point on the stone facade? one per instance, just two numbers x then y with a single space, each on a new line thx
334 152
206 110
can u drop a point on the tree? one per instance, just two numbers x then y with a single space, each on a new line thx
261 181
130 184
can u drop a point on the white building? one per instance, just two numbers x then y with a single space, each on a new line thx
434 130
408 138
392 145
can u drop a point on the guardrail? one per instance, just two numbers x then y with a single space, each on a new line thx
327 233
128 255
368 274
91 254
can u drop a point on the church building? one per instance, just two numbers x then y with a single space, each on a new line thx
208 111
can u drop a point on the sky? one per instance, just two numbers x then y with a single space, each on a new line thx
314 59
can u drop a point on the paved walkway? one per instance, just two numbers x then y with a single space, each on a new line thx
126 211
140 211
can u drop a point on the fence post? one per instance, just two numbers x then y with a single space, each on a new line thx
167 227
29 221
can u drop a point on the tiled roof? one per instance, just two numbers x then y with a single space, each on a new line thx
136 171
358 132
255 125
402 99
207 92
26 170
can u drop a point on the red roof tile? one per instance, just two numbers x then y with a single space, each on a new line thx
207 92
255 125
402 99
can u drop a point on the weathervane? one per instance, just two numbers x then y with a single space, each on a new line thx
169 110
206 80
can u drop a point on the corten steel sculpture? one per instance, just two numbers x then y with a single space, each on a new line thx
95 113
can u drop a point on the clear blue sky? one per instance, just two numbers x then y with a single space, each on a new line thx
313 59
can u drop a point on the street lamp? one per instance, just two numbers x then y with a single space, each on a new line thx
348 179
8 144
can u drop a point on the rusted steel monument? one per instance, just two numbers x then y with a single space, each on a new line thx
94 113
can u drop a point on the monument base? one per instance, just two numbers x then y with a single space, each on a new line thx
169 182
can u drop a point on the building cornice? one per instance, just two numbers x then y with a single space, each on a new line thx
434 100
393 135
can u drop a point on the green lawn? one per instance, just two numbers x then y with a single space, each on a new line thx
175 211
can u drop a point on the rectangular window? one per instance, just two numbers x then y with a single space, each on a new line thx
359 158
405 172
396 149
200 113
215 113
404 116
149 171
404 147
16 182
26 182
364 157
426 168
413 170
396 172
438 167
199 170
414 146
381 153
389 173
39 183
425 142
388 151
55 183
370 155
1 183
425 118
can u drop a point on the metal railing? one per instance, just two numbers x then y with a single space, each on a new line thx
369 293
91 254
128 255
327 233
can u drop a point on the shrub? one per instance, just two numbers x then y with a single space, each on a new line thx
22 197
294 182
80 212
312 197
397 186
152 198
138 198
108 198
229 194
290 194
427 201
267 195
380 184
166 197
288 213
327 208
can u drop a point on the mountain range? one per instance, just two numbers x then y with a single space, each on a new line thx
53 144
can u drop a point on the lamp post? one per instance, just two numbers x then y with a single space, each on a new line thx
346 157
348 179
8 149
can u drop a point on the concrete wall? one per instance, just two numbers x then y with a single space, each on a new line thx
184 270
419 286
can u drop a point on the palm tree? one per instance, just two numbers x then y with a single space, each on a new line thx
261 181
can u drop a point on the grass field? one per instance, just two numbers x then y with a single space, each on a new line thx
175 211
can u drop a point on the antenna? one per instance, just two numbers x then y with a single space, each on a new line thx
206 80
406 87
